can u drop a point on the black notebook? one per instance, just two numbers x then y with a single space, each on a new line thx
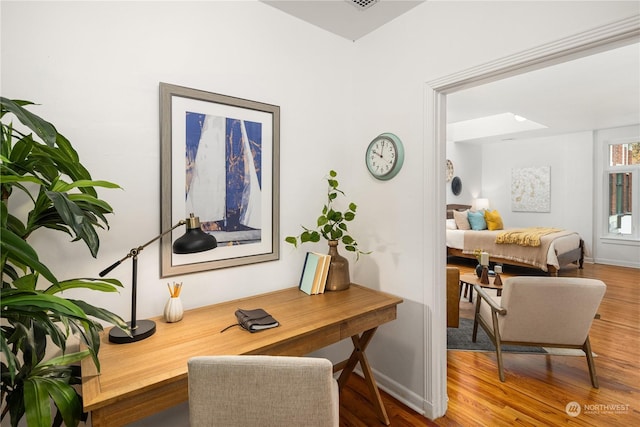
255 320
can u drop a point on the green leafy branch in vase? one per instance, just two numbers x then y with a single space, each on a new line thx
332 223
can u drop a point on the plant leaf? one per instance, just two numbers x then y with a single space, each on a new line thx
65 398
65 359
74 217
102 285
19 250
38 411
42 302
42 128
64 187
292 240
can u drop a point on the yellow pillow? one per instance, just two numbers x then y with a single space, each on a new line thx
494 221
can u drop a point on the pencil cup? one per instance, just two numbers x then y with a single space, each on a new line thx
173 310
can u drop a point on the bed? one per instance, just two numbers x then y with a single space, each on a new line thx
556 249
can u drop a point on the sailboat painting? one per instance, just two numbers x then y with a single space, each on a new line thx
223 182
219 162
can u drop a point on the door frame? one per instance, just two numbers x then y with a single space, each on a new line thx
610 36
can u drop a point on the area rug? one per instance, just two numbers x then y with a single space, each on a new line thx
460 339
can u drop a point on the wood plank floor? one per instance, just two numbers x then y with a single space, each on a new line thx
538 388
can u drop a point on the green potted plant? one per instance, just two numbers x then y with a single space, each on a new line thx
43 171
332 226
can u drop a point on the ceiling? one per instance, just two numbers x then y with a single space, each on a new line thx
595 92
342 17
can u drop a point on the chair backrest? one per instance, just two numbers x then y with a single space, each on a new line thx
551 310
267 391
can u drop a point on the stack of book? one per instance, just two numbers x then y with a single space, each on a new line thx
314 273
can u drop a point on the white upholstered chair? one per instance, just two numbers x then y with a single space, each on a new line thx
263 391
543 312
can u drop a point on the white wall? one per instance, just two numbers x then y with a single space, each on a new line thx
393 64
467 165
95 69
570 158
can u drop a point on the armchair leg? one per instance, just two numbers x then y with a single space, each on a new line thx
475 330
498 343
592 365
475 320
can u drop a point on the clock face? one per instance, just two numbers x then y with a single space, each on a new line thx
384 156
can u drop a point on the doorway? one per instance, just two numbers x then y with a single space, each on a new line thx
617 34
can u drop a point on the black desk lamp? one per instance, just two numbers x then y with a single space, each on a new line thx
194 240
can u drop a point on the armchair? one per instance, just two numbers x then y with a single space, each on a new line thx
239 391
540 311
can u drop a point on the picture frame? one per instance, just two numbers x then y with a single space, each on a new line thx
531 189
220 161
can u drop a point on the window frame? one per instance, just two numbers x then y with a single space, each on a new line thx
634 170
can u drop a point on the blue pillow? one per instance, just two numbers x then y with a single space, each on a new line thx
477 221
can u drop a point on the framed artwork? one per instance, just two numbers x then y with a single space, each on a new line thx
531 189
219 161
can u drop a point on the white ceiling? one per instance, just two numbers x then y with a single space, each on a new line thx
341 17
596 92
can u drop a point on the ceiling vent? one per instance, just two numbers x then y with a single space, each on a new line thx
362 4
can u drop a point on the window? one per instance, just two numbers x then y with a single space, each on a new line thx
623 170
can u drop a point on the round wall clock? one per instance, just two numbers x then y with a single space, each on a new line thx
384 156
449 170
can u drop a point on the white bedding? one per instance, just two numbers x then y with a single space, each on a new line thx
561 245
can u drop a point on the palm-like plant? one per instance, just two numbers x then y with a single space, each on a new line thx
46 169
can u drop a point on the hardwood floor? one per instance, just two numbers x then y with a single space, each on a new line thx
538 388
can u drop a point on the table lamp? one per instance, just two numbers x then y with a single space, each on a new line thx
481 204
194 240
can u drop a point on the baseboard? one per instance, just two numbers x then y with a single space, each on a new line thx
617 262
401 393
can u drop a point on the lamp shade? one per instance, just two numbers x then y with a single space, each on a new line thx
480 204
194 240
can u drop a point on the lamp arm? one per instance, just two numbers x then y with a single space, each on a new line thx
135 251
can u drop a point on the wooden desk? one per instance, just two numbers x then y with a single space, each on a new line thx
145 377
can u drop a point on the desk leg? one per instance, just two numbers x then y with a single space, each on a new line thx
360 343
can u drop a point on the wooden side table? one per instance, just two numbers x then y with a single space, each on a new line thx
468 280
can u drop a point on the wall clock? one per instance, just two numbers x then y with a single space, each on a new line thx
384 156
449 170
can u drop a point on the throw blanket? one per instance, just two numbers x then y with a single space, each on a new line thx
535 256
525 236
